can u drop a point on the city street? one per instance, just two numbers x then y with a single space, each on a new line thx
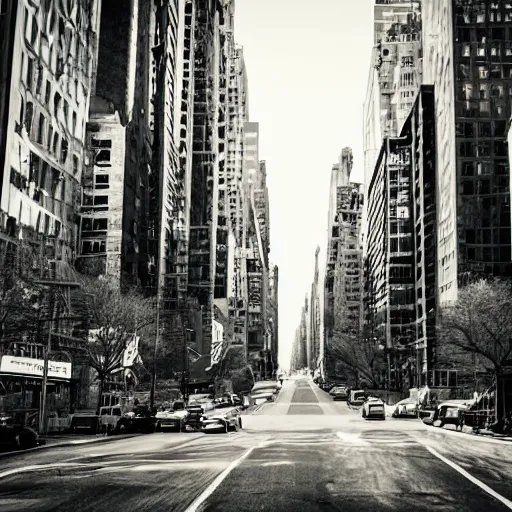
303 452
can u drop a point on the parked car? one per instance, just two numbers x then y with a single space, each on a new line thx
222 423
174 418
204 401
356 398
448 413
373 408
407 408
16 436
339 393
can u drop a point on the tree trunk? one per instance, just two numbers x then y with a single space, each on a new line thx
101 382
499 396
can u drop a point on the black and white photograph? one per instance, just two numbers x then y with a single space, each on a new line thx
255 255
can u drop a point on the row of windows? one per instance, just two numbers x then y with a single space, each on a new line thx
483 148
497 185
483 129
474 168
481 90
488 254
494 49
484 71
488 236
479 34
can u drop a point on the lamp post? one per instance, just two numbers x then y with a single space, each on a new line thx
47 349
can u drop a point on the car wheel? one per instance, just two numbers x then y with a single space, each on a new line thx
183 427
240 423
121 428
364 413
158 427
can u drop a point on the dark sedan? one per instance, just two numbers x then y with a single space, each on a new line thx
15 436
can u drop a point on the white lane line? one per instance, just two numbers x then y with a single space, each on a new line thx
199 501
471 478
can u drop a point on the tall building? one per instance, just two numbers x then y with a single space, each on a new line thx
340 177
48 55
315 335
400 293
300 349
257 250
48 60
273 316
205 167
237 115
119 220
394 77
468 58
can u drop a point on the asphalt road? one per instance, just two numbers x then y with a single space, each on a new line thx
301 453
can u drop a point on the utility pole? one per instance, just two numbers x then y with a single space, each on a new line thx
155 347
47 350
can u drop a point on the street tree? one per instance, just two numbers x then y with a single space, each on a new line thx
19 293
480 322
359 352
114 315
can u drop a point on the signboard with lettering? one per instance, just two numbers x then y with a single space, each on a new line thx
34 367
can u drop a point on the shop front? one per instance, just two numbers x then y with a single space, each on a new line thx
21 385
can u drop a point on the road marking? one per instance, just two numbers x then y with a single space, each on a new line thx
471 478
26 469
351 438
199 501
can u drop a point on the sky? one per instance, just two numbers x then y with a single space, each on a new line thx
307 64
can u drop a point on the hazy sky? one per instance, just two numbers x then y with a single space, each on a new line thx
307 64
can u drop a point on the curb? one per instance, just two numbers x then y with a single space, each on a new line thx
436 431
69 443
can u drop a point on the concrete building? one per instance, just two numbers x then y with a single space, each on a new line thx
48 55
273 316
47 84
299 350
467 57
315 334
133 214
340 179
236 199
400 285
394 77
205 166
257 262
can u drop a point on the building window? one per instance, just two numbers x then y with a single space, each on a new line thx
47 92
55 143
90 224
103 149
66 113
30 73
40 129
29 113
75 164
56 103
101 181
100 201
64 151
445 378
94 246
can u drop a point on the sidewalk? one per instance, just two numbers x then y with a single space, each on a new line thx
69 440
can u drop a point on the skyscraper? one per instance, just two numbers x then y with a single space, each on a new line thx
468 58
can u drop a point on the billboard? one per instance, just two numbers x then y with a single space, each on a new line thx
34 367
